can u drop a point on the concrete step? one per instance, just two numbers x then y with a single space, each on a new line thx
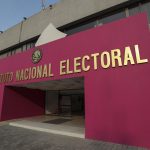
50 128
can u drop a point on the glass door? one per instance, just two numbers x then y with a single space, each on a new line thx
65 105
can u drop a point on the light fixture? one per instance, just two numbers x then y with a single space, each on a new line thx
50 6
24 18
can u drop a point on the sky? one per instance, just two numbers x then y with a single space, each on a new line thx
13 11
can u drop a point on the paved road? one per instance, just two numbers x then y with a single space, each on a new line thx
13 138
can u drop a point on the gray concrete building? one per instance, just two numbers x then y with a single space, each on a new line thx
70 17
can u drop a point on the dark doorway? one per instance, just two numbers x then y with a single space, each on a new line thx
71 102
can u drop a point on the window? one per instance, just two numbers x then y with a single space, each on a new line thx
145 7
9 53
18 50
24 47
28 46
134 10
3 55
32 45
80 28
13 52
113 17
90 24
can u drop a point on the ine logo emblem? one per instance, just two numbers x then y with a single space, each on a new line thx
36 56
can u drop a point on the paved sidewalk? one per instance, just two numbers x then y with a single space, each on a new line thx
13 138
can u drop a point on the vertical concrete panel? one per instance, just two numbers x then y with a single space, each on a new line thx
10 37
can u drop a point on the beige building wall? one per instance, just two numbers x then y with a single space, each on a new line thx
62 13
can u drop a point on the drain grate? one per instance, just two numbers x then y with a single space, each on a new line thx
57 121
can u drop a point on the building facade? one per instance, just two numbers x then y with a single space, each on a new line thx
104 68
69 17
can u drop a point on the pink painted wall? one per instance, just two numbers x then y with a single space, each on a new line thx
22 102
117 100
1 98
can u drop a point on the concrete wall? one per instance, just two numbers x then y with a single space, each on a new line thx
10 37
51 102
62 13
